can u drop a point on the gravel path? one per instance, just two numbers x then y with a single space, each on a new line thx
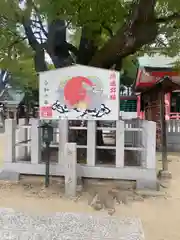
16 225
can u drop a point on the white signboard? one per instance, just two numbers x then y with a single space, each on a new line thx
79 92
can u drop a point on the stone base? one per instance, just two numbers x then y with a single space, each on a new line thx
164 174
142 184
9 176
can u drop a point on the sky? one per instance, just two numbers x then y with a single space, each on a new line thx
157 61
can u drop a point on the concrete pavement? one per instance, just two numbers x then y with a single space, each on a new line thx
17 225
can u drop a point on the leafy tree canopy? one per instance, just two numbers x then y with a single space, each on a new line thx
107 33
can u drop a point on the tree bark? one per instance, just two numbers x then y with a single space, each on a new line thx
39 60
57 46
39 55
87 49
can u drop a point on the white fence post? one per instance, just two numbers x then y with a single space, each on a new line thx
149 140
29 136
70 155
1 119
35 142
91 143
55 134
21 152
63 139
10 140
120 143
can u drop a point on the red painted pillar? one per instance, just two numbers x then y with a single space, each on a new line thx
167 105
139 105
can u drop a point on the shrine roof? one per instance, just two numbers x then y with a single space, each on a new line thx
157 61
148 77
165 84
11 96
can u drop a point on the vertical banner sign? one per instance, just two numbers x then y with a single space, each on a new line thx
79 92
112 84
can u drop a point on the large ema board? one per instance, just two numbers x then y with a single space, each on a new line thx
79 92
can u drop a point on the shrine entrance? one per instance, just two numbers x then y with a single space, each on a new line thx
153 103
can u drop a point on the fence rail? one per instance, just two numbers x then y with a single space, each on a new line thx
173 135
174 115
173 125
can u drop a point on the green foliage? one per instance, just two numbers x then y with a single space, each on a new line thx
15 53
22 71
106 15
130 66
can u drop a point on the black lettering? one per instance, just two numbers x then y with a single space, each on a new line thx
59 108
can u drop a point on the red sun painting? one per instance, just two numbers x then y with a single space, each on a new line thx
75 93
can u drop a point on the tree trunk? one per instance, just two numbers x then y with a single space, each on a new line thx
39 60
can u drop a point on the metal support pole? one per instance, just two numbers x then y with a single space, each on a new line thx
47 165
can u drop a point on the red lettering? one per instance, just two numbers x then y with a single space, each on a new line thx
113 76
113 90
113 97
113 83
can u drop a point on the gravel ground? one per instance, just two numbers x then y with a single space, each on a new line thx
18 226
1 148
159 215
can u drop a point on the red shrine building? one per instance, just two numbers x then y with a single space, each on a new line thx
150 71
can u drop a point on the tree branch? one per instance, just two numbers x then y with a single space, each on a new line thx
161 42
40 21
18 40
87 49
168 18
72 48
39 57
29 33
39 60
138 30
107 29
